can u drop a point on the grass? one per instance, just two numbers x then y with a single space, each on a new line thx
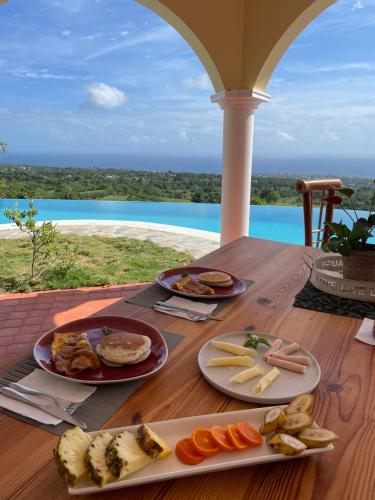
99 261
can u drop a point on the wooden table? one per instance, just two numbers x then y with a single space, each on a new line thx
345 399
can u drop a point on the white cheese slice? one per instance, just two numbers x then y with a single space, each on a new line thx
231 361
233 348
247 374
266 381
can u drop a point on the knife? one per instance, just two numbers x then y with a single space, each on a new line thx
48 408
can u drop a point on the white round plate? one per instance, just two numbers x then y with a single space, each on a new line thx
287 385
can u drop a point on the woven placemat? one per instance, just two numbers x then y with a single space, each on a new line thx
154 293
313 298
97 408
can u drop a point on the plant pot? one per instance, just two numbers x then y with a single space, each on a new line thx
360 265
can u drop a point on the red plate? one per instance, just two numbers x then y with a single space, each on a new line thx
166 278
106 374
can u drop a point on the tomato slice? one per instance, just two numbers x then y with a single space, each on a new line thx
249 434
235 437
220 436
204 443
187 454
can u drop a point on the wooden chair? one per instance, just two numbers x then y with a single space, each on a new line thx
324 188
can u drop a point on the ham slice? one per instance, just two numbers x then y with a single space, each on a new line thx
301 360
288 365
288 349
276 344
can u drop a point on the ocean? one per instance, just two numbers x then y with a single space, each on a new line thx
332 166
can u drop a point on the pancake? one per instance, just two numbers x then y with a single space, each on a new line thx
124 348
216 279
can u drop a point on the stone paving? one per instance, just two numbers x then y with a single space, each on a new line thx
195 242
24 317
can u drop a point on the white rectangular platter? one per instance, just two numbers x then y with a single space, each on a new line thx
171 468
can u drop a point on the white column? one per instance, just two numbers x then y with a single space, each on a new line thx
238 131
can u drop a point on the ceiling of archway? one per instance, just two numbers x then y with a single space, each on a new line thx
239 42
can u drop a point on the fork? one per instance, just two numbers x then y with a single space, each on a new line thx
59 402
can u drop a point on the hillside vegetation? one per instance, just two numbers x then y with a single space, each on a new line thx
22 181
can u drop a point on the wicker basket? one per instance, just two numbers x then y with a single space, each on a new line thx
326 275
359 266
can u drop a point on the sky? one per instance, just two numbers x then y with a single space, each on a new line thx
110 76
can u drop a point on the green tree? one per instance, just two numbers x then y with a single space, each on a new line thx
45 252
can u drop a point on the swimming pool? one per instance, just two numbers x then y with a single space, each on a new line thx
277 223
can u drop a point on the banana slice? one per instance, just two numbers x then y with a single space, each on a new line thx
296 422
234 348
287 445
304 402
317 438
231 361
273 419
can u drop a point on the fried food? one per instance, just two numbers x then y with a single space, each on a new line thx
72 353
188 285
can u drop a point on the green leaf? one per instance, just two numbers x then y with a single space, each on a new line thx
345 249
254 340
334 244
341 230
359 231
371 220
346 191
106 330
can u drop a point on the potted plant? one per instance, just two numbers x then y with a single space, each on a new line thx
358 256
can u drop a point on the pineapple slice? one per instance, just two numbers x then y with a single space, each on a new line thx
151 443
124 455
69 455
96 461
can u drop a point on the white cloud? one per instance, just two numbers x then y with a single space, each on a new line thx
124 33
66 33
44 75
351 66
358 5
182 134
101 95
331 135
159 34
201 82
285 136
91 37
